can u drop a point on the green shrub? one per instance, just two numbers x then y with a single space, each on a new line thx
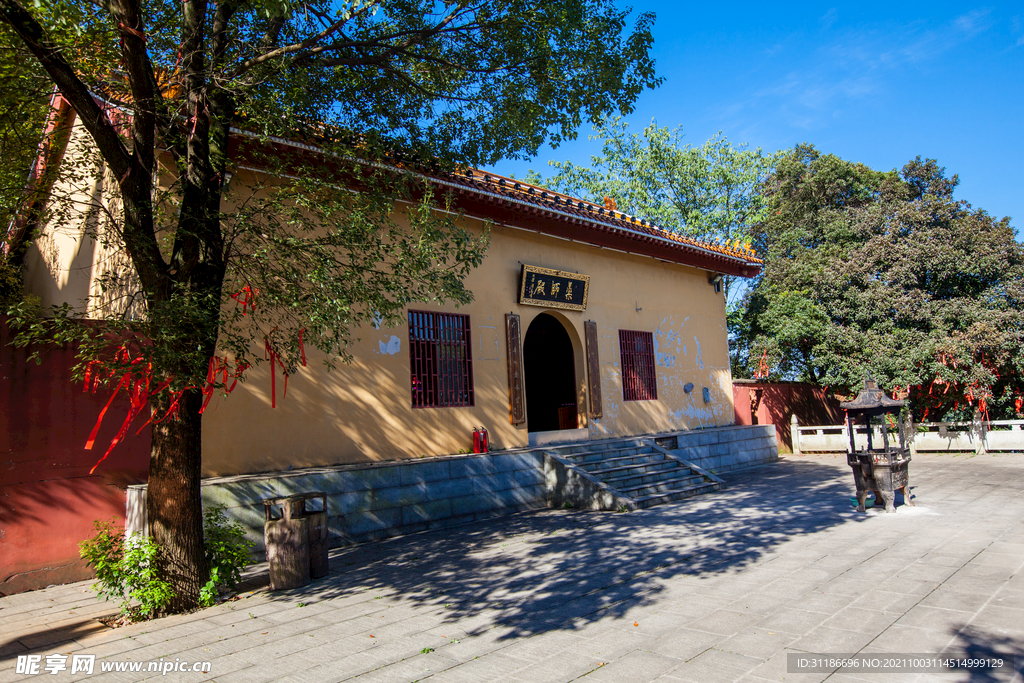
10 284
127 570
227 552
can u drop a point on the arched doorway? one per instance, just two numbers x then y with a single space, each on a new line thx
550 373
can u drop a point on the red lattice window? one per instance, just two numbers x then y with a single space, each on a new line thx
639 383
441 359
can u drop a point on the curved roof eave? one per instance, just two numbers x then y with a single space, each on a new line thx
523 204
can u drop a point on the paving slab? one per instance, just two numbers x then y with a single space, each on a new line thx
721 587
714 665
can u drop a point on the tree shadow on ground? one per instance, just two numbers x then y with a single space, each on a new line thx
973 642
536 571
977 643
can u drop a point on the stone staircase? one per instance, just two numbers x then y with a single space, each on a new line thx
636 470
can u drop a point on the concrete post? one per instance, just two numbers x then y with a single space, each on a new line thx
910 431
794 432
978 430
135 519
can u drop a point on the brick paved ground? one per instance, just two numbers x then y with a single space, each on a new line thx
718 588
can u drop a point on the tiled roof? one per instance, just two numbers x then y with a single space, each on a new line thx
546 211
595 216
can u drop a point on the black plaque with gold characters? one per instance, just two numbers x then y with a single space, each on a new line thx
553 288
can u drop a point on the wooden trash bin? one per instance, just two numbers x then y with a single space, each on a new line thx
296 541
318 537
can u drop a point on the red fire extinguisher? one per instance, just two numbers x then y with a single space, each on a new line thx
480 444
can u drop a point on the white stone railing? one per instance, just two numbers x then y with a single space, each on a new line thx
1004 435
927 437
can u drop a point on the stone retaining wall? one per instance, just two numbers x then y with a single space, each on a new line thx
367 502
725 449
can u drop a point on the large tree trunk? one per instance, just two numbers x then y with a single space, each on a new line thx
173 501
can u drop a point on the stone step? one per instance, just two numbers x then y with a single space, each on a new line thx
636 469
635 459
594 447
631 480
672 496
665 486
591 456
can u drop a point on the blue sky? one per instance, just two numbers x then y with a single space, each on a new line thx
873 83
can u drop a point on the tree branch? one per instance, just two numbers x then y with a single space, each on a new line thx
141 80
302 52
110 145
302 45
134 179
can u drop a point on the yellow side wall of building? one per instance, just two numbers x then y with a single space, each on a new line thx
363 411
78 257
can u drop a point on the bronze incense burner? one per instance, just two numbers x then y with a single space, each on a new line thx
880 468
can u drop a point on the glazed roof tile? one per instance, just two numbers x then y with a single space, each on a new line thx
520 192
582 220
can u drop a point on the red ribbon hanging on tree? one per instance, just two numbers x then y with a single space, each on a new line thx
208 387
140 392
139 396
152 414
172 410
96 428
247 298
220 366
762 368
89 372
273 357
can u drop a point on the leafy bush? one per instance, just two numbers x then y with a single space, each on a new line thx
127 570
227 553
10 284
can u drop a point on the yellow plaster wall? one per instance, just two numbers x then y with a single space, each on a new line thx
362 411
78 257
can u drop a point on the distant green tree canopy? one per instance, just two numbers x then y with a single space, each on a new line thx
888 273
709 192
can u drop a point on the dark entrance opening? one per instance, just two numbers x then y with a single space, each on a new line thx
550 370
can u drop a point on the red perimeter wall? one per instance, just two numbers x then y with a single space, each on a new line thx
776 403
48 500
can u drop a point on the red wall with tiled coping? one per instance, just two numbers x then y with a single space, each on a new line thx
776 402
48 500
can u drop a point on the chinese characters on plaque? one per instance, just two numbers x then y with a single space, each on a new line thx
553 288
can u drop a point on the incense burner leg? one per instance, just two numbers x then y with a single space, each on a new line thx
862 496
907 500
888 497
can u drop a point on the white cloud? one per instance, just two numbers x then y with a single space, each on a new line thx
829 18
973 22
857 65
